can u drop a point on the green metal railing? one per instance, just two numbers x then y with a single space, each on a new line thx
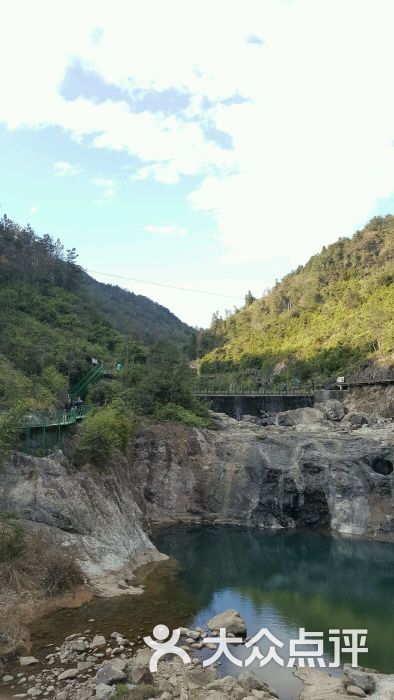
42 433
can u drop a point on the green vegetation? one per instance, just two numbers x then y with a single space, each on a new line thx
333 314
140 692
102 432
11 423
54 319
173 412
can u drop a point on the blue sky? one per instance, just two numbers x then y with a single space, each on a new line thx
205 146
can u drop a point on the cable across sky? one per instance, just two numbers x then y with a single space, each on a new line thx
168 286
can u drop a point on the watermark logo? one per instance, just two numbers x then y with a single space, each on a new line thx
306 650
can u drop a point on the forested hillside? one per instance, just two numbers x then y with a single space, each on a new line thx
136 315
54 318
335 312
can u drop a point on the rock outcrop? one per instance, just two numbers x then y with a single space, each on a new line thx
307 475
93 511
309 471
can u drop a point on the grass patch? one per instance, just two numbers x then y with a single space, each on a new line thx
141 692
179 414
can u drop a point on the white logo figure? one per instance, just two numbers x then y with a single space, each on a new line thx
312 639
160 633
272 653
222 642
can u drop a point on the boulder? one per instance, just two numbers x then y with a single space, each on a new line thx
68 674
104 691
334 410
250 682
356 420
360 677
231 620
27 660
251 419
355 691
99 641
108 674
138 668
119 664
300 416
192 634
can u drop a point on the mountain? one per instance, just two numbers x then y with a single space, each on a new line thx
333 313
136 315
54 318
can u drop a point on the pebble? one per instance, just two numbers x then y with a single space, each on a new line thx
8 679
27 660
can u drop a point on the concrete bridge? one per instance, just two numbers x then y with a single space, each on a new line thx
238 405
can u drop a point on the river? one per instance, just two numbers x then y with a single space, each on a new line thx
277 580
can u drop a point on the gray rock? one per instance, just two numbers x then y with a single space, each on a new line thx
300 416
8 679
359 677
355 692
138 668
27 660
334 410
231 620
120 664
250 682
356 420
108 674
104 691
68 674
99 641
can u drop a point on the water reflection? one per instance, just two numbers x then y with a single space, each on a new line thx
282 580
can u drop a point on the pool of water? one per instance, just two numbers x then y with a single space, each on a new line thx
278 580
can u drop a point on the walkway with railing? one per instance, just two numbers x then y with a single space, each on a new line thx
43 432
208 387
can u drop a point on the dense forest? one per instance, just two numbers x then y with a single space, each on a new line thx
54 319
334 313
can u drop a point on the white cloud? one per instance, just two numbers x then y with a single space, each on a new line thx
312 139
33 210
63 168
166 230
107 188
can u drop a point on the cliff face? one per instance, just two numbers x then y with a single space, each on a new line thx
289 476
92 511
299 476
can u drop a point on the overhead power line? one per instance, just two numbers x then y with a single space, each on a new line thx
168 286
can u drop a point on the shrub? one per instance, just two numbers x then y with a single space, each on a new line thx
12 538
140 692
34 562
58 570
11 424
55 382
173 412
103 432
14 385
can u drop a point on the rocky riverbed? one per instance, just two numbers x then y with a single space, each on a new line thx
88 666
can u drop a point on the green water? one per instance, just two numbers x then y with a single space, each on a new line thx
281 581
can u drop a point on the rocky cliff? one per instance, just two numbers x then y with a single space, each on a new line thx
305 474
95 512
308 469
